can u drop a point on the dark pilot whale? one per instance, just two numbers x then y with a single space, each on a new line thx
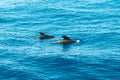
45 36
65 40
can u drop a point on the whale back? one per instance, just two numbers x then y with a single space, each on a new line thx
66 38
42 33
45 36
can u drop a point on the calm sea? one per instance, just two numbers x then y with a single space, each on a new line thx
25 57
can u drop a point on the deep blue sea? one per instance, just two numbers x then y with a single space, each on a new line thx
23 56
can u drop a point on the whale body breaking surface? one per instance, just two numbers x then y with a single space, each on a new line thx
65 40
45 36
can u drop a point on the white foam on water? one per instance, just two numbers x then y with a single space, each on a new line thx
78 41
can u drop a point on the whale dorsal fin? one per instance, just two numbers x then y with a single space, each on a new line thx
42 33
66 38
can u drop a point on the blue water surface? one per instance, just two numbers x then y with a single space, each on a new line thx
23 56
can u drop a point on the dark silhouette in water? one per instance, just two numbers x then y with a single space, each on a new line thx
66 40
45 36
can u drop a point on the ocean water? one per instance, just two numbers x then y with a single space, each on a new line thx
23 56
